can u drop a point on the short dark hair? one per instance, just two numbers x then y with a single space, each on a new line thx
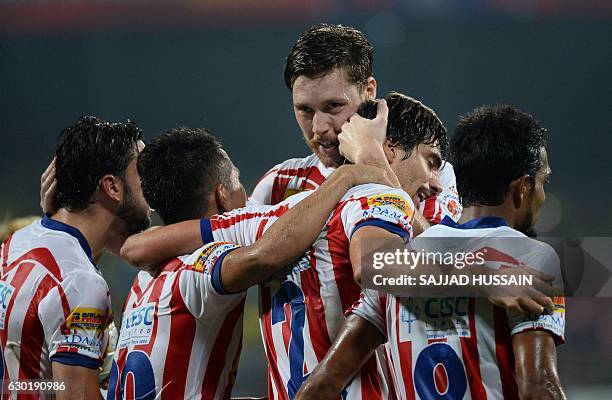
88 150
491 147
179 169
409 123
325 47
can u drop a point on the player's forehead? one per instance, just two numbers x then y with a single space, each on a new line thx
333 85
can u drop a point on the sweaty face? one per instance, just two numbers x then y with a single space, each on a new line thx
133 209
418 174
321 105
535 198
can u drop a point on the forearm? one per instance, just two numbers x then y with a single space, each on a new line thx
79 382
299 227
354 345
536 366
147 249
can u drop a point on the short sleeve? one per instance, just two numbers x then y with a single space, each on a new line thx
391 210
200 282
74 316
369 307
555 322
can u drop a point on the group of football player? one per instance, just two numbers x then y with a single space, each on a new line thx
380 170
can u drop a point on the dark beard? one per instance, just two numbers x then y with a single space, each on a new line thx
136 219
528 226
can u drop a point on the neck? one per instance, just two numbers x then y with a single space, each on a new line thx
98 226
500 211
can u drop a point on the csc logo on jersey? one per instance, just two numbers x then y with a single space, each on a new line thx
137 325
86 318
6 292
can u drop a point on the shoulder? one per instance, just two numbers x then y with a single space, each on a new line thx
295 165
376 194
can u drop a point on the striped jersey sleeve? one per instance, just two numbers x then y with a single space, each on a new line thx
76 337
378 205
369 307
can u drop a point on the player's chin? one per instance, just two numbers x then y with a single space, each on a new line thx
330 159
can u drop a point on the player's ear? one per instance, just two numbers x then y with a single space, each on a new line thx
390 151
370 88
222 198
519 188
112 187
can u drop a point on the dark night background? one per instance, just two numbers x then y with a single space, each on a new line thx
219 65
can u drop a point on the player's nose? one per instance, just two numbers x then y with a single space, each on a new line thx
321 123
435 186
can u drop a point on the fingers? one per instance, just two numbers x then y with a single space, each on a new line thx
543 288
382 111
547 303
50 170
529 305
538 274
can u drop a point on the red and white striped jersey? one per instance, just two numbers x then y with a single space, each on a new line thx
55 302
300 174
181 334
446 203
461 347
288 178
302 311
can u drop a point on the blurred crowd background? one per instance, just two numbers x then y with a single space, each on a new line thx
219 63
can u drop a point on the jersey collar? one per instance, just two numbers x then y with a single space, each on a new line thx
71 230
476 223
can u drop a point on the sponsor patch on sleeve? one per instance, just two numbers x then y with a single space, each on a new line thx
392 200
87 319
210 254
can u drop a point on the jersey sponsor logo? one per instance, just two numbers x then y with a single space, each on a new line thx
137 326
208 257
436 318
86 318
6 292
79 341
389 200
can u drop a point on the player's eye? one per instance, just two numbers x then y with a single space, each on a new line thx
304 110
334 106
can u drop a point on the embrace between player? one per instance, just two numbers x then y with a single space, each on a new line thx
197 299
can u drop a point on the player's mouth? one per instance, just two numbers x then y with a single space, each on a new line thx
328 148
420 196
